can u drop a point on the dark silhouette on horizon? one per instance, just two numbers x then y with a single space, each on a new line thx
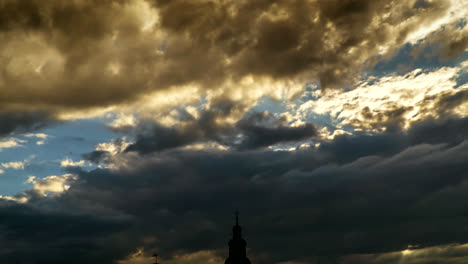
237 246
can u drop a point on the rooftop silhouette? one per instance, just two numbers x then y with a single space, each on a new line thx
237 246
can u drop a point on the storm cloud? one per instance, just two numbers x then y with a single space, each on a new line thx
338 128
14 122
254 130
332 201
80 54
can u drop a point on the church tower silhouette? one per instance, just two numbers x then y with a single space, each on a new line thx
237 250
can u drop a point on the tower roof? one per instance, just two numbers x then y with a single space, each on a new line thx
237 245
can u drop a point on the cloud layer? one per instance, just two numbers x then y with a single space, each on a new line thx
80 55
356 194
318 119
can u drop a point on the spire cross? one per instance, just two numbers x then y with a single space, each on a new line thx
237 217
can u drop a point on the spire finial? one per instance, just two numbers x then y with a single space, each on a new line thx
237 216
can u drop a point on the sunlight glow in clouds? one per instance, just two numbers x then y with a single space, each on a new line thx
51 184
70 163
133 127
200 257
458 10
453 254
385 95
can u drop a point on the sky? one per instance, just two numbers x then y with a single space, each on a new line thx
338 129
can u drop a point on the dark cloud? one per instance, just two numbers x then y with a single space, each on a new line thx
284 39
96 156
104 155
393 118
63 52
358 194
254 130
21 122
80 54
161 138
155 137
37 235
450 131
263 130
446 103
345 148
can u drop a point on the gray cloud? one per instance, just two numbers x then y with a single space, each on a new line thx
34 231
360 194
391 119
96 156
254 130
352 195
263 130
447 102
21 122
345 148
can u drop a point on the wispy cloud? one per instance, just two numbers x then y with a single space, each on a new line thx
70 163
11 143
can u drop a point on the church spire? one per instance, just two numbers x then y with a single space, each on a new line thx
237 245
